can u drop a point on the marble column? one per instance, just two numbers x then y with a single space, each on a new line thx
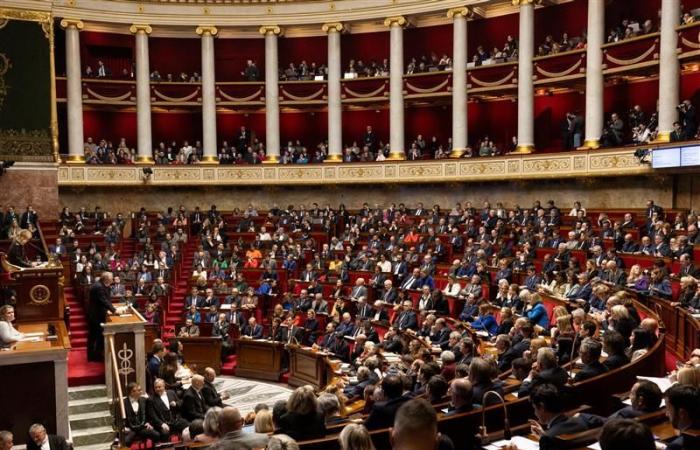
74 91
272 97
143 95
335 107
459 80
595 115
209 141
526 91
669 69
397 149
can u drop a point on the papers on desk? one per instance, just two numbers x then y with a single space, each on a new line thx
35 334
662 383
629 402
125 315
31 339
482 334
225 306
521 442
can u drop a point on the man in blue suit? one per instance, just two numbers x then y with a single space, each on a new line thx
253 330
536 312
407 317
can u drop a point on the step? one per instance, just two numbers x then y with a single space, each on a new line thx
88 405
102 446
89 391
91 436
90 420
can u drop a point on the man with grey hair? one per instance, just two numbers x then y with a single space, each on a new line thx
40 440
233 438
6 440
590 356
193 404
461 395
545 370
99 305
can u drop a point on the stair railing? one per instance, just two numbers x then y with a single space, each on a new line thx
117 396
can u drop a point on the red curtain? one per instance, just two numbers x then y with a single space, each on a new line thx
490 33
570 18
175 55
310 128
365 46
231 55
309 49
115 50
642 10
690 87
228 124
426 40
497 120
429 121
110 125
176 126
550 114
355 124
621 97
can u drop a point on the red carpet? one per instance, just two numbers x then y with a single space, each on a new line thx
81 372
670 361
229 365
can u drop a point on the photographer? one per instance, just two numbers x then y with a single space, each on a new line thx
688 117
641 134
636 116
613 132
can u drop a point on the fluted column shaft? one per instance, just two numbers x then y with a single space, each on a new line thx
335 107
143 95
459 80
526 100
74 91
272 99
208 95
396 113
595 115
669 69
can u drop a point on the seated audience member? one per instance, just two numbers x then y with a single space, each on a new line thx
137 425
232 435
614 346
683 411
355 437
8 334
209 393
263 422
481 376
302 420
163 410
461 397
545 370
6 440
210 426
193 406
645 397
626 433
39 440
189 330
590 352
329 406
383 412
415 428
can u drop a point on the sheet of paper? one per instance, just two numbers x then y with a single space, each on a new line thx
595 446
35 334
662 383
125 315
521 442
31 339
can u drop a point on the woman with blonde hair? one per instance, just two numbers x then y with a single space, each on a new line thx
355 437
263 422
8 334
302 420
689 376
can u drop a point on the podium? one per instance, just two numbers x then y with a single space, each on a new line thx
259 359
125 335
307 366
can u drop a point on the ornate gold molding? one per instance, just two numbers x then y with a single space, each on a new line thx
462 11
135 28
206 29
77 23
526 2
270 29
335 26
584 163
399 21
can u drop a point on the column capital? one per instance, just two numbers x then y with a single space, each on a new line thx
270 29
399 21
462 11
77 23
338 27
136 28
206 29
526 2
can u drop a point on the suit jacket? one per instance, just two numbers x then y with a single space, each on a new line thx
406 320
55 443
558 426
358 291
193 405
211 396
135 420
556 376
255 333
615 361
302 427
241 441
382 413
100 302
158 414
390 295
589 371
345 328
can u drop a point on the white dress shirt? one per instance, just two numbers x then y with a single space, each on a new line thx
8 333
134 405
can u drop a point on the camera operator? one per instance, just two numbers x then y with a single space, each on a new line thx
613 132
688 118
636 116
641 134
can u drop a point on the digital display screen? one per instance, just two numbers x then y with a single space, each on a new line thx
666 157
690 156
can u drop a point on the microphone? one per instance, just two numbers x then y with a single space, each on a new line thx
571 359
483 434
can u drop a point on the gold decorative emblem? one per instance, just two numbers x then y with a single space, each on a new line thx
40 295
5 65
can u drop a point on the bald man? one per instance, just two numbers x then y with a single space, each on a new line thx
193 405
230 424
415 427
461 395
209 392
99 305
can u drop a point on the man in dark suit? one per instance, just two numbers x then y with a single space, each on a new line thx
363 379
38 438
551 421
346 327
380 313
137 425
29 217
590 356
162 410
683 411
382 413
461 397
364 311
99 305
157 353
645 397
289 333
252 330
407 317
545 371
193 405
389 294
413 281
209 393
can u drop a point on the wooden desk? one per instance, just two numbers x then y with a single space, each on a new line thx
34 380
202 352
307 366
259 359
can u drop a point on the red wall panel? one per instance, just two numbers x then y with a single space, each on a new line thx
175 55
426 40
178 127
228 125
429 121
690 87
621 97
490 32
365 46
355 123
310 128
550 114
497 120
231 54
309 49
571 18
110 125
617 10
115 50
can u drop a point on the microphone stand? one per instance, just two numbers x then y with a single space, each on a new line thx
483 434
571 359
